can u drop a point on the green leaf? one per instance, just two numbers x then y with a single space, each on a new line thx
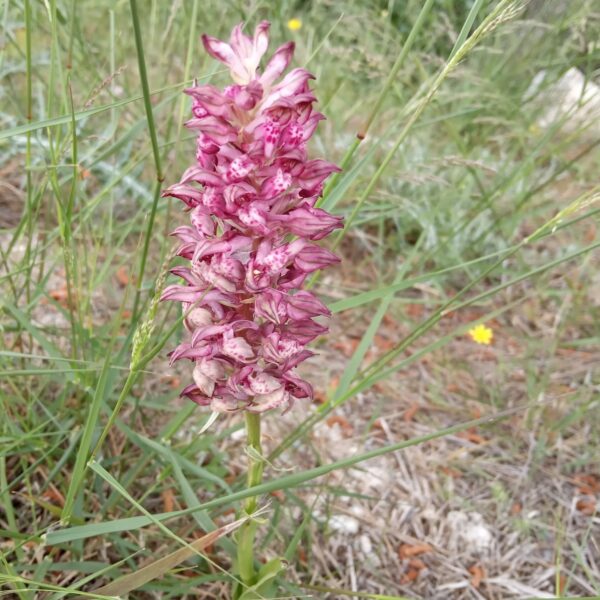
266 575
91 423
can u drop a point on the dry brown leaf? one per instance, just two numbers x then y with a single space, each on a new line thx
562 584
471 436
478 574
516 508
319 397
127 583
344 424
383 343
189 573
587 484
61 295
199 535
410 550
54 496
590 233
475 412
410 412
416 563
122 275
410 575
173 381
415 311
378 429
587 507
390 322
380 388
451 472
168 498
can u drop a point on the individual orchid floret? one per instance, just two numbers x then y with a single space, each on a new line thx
251 196
242 55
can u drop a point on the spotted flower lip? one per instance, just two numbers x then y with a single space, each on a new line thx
250 244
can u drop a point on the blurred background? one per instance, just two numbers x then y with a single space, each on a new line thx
497 166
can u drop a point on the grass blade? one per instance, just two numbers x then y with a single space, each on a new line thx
85 531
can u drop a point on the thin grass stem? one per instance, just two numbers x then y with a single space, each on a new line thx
155 150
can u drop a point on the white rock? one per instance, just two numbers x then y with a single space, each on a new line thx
469 532
365 544
430 514
344 524
239 434
571 98
376 478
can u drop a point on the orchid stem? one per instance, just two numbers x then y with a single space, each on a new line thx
248 530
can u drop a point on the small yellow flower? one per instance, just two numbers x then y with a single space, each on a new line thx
294 24
481 334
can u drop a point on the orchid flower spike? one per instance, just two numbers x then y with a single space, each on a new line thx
251 196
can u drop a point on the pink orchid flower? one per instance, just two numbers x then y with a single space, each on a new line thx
251 195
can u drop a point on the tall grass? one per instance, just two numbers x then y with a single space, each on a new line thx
448 180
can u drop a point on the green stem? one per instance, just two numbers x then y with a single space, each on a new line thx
29 110
155 150
248 530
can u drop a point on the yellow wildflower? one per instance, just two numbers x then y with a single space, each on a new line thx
481 334
294 24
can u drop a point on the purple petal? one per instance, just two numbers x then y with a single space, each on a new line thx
278 64
311 258
270 305
311 223
238 349
304 304
195 395
305 331
263 383
263 402
218 49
